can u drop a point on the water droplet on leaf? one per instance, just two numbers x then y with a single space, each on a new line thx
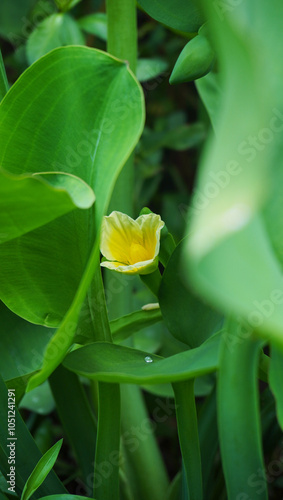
148 359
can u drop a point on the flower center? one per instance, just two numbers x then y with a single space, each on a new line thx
138 253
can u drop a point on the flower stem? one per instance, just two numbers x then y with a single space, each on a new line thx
122 43
144 457
106 468
97 308
122 30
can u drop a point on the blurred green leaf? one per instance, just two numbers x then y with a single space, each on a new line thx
114 363
40 400
228 243
150 68
66 4
180 138
182 15
186 316
55 31
41 470
210 93
14 18
95 24
276 381
240 287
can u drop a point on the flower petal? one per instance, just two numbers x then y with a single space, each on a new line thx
151 225
146 267
117 234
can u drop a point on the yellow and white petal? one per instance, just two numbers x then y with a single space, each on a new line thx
118 232
145 267
151 225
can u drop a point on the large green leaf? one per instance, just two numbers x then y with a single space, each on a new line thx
229 255
183 15
55 31
242 275
186 316
80 111
28 202
117 364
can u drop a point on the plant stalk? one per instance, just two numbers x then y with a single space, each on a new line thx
238 413
107 455
188 436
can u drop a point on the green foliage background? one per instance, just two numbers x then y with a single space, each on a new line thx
81 135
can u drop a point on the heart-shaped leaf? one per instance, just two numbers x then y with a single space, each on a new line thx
80 111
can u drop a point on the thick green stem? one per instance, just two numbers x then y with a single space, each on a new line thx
238 415
76 417
122 30
107 455
122 43
150 477
188 436
97 308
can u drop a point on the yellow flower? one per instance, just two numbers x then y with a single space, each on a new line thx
131 246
